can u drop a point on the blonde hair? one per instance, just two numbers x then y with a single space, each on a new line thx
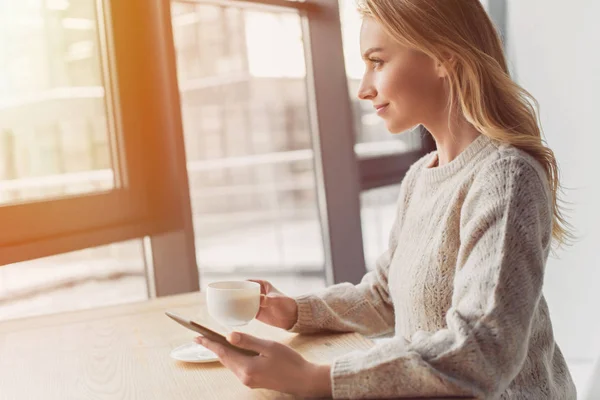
461 32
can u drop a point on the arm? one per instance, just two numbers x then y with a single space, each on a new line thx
365 308
505 236
345 307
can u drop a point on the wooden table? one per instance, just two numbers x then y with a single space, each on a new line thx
122 352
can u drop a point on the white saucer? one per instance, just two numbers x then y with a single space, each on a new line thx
194 353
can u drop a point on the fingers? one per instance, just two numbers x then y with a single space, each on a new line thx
250 342
228 357
264 300
249 370
262 305
262 310
264 285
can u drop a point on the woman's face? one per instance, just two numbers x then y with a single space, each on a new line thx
405 86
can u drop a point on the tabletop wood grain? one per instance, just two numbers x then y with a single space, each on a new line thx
122 352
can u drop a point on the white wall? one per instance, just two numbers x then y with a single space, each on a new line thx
554 47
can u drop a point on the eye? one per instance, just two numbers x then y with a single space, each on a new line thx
376 62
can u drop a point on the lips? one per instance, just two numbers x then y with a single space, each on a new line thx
380 108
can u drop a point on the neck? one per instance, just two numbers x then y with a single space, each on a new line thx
451 138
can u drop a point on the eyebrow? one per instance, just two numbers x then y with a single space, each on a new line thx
371 51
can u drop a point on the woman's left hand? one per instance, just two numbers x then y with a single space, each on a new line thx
278 367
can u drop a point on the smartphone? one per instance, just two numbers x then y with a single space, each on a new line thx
209 334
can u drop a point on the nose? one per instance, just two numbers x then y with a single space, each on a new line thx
366 90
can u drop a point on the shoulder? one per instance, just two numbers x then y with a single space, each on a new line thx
509 171
510 185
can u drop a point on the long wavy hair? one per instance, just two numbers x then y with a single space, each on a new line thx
460 34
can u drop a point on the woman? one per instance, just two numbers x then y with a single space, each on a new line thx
461 284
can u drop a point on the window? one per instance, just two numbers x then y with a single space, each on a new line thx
86 167
219 145
52 102
82 279
76 139
248 143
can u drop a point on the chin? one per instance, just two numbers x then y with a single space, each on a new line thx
396 127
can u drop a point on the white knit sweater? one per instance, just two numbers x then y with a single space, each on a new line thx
460 287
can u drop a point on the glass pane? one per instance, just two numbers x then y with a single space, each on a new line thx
94 277
250 160
378 212
54 136
372 137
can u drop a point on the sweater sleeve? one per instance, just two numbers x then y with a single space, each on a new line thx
505 233
347 308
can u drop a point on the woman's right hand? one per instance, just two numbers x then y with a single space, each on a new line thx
276 308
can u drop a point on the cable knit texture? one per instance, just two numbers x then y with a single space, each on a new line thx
460 287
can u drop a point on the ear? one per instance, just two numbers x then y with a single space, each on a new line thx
443 65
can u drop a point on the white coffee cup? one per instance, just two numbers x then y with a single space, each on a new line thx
233 303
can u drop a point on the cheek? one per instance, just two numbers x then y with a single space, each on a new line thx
410 88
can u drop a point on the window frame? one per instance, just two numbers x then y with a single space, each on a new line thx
152 197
